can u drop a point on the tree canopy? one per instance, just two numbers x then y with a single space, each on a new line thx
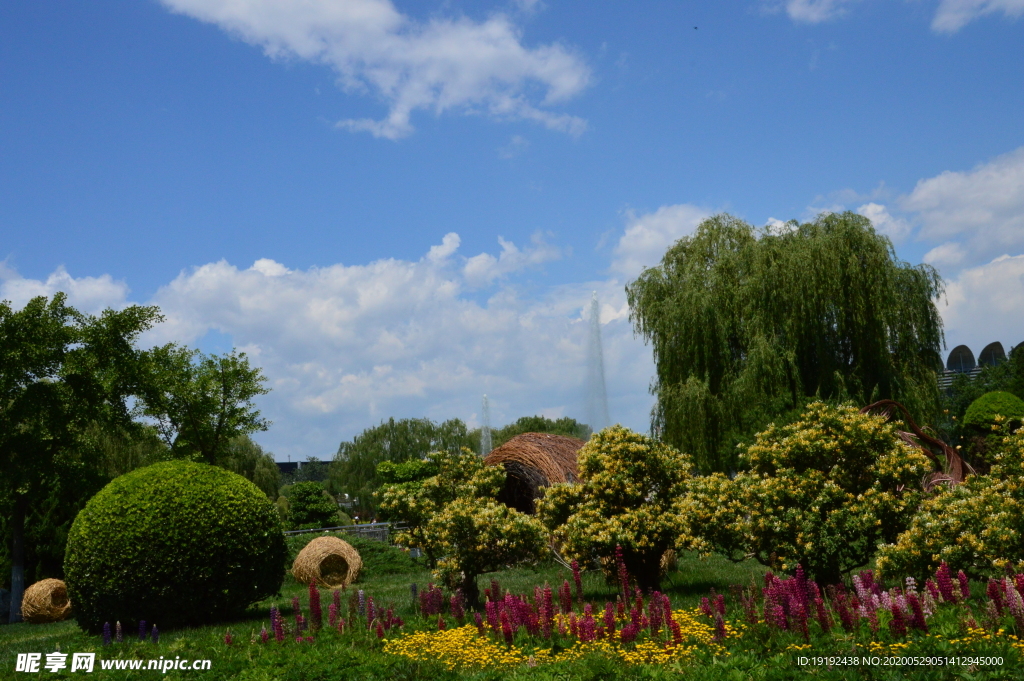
749 325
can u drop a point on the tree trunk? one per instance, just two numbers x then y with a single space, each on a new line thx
471 592
17 557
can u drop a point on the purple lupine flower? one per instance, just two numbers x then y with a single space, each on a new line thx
118 635
657 612
547 612
705 606
577 580
898 623
609 619
917 619
629 633
106 633
944 581
800 620
911 584
586 625
995 594
493 617
332 615
362 602
155 634
720 626
142 630
965 586
316 616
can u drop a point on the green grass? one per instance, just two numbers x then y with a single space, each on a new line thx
387 577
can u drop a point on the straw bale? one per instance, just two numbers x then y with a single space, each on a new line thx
329 561
46 601
533 461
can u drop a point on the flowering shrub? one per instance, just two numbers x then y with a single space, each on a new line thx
822 492
627 486
977 526
414 501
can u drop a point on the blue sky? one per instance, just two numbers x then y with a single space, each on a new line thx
395 207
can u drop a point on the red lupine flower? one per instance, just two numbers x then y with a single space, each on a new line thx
577 579
315 613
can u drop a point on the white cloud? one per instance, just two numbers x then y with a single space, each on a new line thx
810 11
453 64
88 294
897 229
981 209
947 255
985 304
952 15
648 236
483 269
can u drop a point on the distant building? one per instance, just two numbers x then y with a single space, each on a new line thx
286 467
961 361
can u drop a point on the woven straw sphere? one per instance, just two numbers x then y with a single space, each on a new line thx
329 561
46 601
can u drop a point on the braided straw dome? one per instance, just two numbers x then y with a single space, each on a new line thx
46 601
328 561
533 461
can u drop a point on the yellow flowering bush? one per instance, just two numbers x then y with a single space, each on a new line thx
414 500
628 483
977 526
476 535
822 492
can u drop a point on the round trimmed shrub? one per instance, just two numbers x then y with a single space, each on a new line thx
310 506
175 543
983 411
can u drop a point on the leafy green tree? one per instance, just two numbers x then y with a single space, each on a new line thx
309 505
61 373
566 426
354 469
201 402
245 457
747 326
628 485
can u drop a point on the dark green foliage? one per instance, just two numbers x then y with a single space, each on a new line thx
748 325
354 470
245 457
309 504
174 543
201 403
379 558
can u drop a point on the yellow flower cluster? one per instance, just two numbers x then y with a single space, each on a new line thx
463 647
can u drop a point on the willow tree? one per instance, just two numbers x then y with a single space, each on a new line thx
748 325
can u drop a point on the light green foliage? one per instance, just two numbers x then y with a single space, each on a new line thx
628 484
310 506
354 469
452 516
201 402
245 457
982 413
477 535
747 326
823 492
174 543
415 501
976 526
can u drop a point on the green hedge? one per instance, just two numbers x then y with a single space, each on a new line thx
378 558
175 543
982 412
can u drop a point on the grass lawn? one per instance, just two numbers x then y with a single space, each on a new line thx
387 576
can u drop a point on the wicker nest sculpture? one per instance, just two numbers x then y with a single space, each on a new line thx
533 461
328 561
45 601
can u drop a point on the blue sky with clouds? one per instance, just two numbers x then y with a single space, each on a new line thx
395 207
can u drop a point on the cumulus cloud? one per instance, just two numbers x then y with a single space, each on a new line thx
444 64
88 294
648 236
483 269
952 15
981 211
897 229
985 304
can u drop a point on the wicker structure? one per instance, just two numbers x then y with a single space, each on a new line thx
46 601
329 561
532 461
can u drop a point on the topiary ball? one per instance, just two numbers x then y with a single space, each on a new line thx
175 543
982 412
